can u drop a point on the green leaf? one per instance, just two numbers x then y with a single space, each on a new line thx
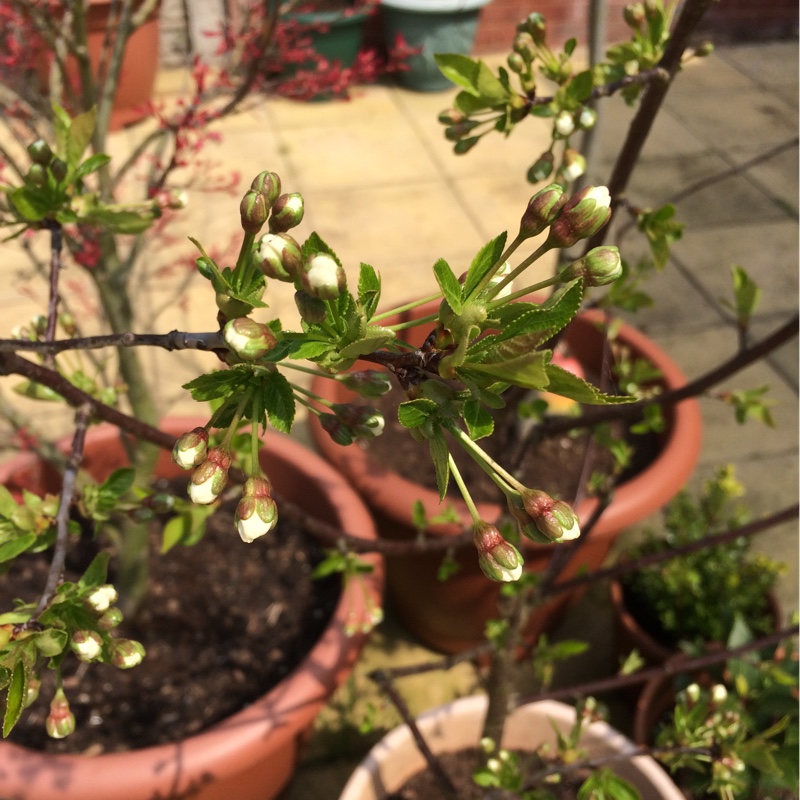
11 549
119 481
441 462
486 257
96 572
369 289
413 413
448 283
7 503
215 384
31 205
80 134
61 125
527 371
567 384
315 244
478 420
309 349
186 528
92 164
746 294
374 338
121 219
15 700
460 69
580 87
278 401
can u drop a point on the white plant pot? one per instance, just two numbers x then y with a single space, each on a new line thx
457 725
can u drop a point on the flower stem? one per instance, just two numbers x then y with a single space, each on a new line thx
462 487
503 479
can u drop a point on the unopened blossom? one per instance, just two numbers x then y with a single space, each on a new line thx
101 598
600 266
498 559
268 184
87 645
277 255
574 165
587 118
256 513
581 217
209 478
542 168
253 211
543 208
248 339
190 449
367 382
337 430
553 518
126 653
311 309
287 212
60 721
564 124
323 276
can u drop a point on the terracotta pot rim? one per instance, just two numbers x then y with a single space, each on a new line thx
225 746
677 458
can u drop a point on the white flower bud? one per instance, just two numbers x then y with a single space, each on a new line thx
564 124
102 598
87 645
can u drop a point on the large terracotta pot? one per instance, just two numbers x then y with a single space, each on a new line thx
251 755
458 725
450 615
139 64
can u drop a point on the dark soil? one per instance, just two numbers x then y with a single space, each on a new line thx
223 622
459 767
553 465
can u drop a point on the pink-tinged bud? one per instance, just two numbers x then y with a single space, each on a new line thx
277 255
312 309
525 523
287 212
367 383
339 432
101 598
451 117
126 653
582 216
553 518
60 721
253 211
454 133
600 266
209 479
87 645
366 422
573 165
32 690
248 339
564 124
634 16
110 619
256 513
543 208
542 168
268 184
323 277
190 450
498 559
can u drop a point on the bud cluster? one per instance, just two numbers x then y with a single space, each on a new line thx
45 166
263 201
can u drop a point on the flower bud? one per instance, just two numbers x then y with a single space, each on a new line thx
692 693
367 382
542 168
719 694
256 513
339 432
454 133
535 25
32 688
253 211
230 306
37 176
40 152
50 642
101 598
516 63
634 16
126 653
277 255
498 559
452 116
287 212
190 449
366 422
312 309
87 645
573 166
209 479
705 49
502 273
58 169
581 217
323 277
465 145
543 208
268 184
524 47
60 721
248 339
564 124
110 619
600 266
553 518
587 118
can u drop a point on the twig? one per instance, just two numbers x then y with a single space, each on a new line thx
174 340
56 244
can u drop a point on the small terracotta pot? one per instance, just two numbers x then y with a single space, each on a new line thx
457 726
251 755
139 64
451 615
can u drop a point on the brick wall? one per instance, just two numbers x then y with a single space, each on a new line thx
728 20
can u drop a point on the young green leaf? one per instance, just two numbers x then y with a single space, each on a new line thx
567 384
279 401
441 462
414 413
486 257
216 384
448 283
527 371
369 289
95 574
15 699
478 420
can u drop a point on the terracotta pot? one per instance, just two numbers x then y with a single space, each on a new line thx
458 725
139 64
450 615
631 635
251 755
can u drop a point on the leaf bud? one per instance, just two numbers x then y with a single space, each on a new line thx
573 165
339 432
277 255
60 721
40 152
553 518
87 645
248 339
287 212
256 513
600 266
101 598
190 449
542 168
126 653
498 559
582 216
543 208
209 479
268 184
323 277
253 211
367 382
